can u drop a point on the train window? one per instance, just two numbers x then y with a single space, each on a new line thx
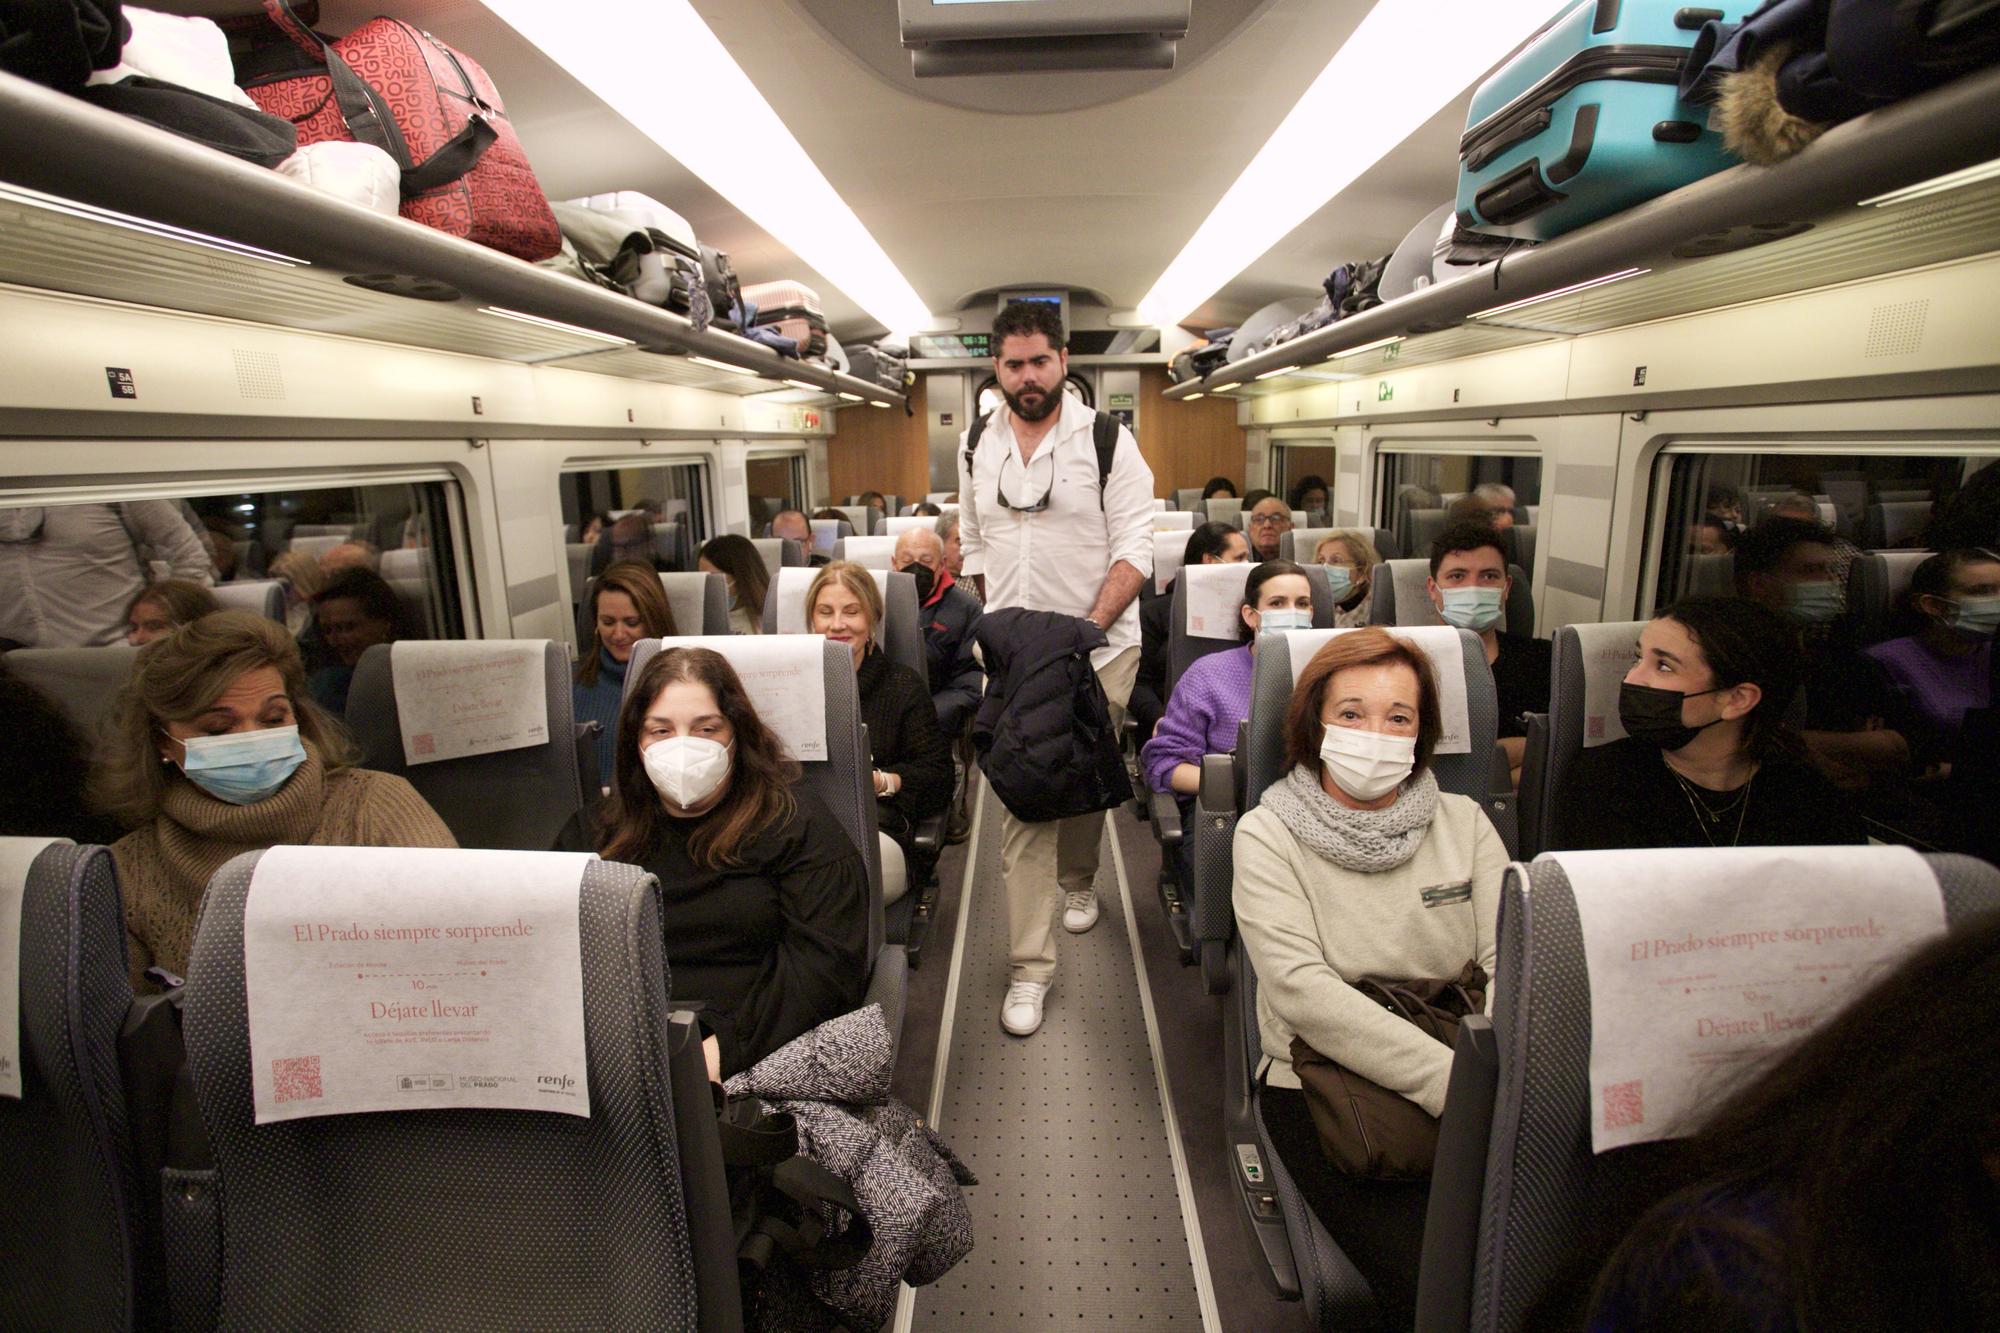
1306 470
73 571
1415 491
1882 500
656 494
777 482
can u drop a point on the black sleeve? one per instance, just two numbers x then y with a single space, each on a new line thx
923 757
1828 816
1582 818
956 695
1521 681
1149 687
820 968
576 834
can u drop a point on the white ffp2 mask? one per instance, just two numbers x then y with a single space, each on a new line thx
1367 765
686 769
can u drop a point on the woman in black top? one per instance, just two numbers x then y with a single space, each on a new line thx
911 757
1706 760
764 896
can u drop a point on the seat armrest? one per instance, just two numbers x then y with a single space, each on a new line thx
1217 793
888 986
1165 813
929 833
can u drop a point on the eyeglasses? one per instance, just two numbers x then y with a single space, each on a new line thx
1000 487
1268 520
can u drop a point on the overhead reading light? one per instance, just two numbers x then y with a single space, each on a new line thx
577 330
90 212
1191 397
1273 374
850 397
801 384
1406 61
1366 347
1570 290
1985 171
724 365
714 122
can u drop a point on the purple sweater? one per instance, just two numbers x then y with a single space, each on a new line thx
1201 718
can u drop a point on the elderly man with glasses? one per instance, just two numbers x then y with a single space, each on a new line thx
1269 520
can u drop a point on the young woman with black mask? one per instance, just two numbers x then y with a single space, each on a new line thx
1706 760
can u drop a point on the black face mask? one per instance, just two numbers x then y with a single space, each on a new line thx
926 578
1653 715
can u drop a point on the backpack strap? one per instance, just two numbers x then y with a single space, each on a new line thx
1103 434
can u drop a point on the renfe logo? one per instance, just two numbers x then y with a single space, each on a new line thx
554 1082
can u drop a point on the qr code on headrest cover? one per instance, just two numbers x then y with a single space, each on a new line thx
297 1079
1625 1104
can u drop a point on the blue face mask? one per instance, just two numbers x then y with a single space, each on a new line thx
1340 579
245 767
1279 619
1814 603
1476 609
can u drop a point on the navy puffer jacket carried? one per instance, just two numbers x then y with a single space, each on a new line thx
1043 732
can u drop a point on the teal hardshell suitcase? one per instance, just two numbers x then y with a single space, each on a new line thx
1587 121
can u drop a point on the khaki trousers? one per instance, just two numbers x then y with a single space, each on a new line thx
1040 862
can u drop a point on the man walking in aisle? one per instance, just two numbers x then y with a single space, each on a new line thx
1047 522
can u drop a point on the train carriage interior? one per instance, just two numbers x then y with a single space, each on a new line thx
999 665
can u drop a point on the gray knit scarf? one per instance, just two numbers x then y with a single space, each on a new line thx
1369 841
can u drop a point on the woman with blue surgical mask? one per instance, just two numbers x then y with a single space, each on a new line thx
765 898
1213 696
1355 866
217 749
1945 665
1468 587
1349 559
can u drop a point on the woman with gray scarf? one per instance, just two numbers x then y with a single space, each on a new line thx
1355 865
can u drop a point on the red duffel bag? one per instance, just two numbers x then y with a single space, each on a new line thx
429 107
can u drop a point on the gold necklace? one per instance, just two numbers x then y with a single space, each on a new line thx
1743 809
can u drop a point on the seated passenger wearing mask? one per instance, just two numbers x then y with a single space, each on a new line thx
747 576
913 776
1469 584
1706 760
1213 697
1801 506
216 750
1209 544
1849 1185
1946 666
1264 523
627 604
1354 865
163 607
764 897
1308 496
356 610
1349 558
949 615
1852 731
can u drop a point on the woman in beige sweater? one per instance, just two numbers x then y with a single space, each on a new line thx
218 750
1355 865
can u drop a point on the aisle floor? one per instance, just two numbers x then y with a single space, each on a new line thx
1078 1217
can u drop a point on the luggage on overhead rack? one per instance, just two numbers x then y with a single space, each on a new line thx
792 310
882 363
431 108
669 270
724 295
1212 355
836 355
1587 121
1181 368
1253 334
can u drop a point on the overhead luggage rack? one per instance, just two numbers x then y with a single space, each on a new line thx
1876 195
95 204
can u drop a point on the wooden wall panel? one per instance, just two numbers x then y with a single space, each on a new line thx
1187 443
880 449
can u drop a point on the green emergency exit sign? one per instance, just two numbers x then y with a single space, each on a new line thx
1124 400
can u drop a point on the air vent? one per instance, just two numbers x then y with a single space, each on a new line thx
258 375
1898 329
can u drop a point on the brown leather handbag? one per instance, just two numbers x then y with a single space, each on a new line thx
1366 1130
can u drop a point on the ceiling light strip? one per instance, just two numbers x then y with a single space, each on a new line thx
1367 347
1570 290
574 330
724 365
91 213
1406 61
1984 171
712 119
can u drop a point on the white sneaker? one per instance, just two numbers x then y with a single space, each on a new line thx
1021 1014
1079 911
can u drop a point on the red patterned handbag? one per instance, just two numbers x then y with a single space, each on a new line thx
433 110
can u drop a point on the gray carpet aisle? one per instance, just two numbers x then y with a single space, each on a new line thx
1077 1218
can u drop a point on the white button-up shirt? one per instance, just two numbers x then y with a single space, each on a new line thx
1056 559
67 572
